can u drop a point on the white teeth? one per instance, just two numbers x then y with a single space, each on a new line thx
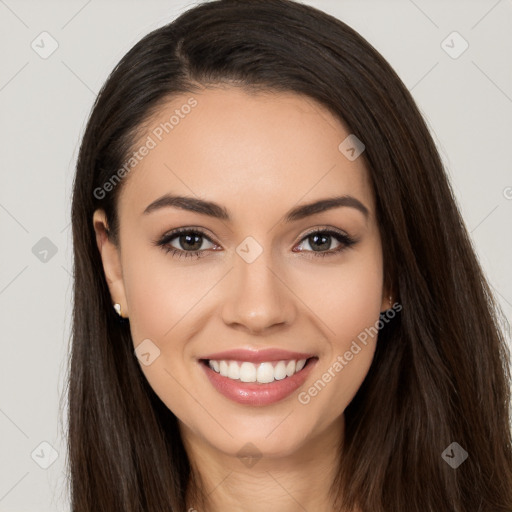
280 371
223 368
247 372
300 365
262 372
233 370
265 373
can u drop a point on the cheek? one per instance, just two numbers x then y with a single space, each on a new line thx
163 302
346 296
160 294
166 306
347 300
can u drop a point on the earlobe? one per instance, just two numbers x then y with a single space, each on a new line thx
111 260
387 302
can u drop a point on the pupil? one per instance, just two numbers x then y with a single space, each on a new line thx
324 239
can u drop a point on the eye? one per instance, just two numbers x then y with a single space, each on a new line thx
322 238
188 243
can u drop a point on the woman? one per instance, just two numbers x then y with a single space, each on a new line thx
277 305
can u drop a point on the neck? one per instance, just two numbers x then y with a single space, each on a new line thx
301 480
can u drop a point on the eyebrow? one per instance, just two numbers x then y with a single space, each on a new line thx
212 209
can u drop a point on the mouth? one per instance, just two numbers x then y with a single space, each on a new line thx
264 372
257 384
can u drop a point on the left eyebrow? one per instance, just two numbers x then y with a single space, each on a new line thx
215 210
302 211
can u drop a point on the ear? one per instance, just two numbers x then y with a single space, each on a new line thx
111 259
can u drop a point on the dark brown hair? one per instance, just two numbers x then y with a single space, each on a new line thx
441 371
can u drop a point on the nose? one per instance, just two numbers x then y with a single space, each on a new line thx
257 298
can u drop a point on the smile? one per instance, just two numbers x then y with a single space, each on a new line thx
257 384
263 373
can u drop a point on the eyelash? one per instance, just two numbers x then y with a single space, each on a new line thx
345 240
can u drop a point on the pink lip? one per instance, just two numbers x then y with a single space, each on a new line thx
254 393
258 356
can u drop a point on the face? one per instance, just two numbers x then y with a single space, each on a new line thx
254 272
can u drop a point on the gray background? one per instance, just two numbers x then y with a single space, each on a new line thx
44 103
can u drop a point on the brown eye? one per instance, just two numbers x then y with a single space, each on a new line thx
320 242
185 242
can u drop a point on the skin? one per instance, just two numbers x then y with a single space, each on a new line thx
258 155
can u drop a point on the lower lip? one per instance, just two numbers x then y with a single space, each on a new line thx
252 393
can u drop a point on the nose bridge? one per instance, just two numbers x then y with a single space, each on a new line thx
255 297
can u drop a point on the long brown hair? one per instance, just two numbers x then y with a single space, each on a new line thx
441 371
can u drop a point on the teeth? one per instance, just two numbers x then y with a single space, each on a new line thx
233 370
223 368
263 373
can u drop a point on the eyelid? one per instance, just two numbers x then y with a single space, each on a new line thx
312 231
164 240
322 229
187 229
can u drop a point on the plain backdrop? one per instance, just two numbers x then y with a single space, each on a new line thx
44 103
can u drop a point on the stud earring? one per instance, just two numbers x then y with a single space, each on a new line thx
390 307
117 307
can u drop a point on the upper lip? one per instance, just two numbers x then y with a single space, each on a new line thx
258 356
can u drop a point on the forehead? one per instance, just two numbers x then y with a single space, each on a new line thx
243 148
